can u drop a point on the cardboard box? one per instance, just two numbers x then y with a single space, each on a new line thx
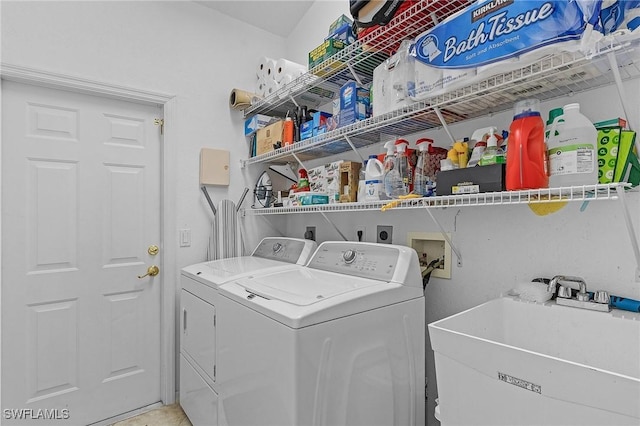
614 122
320 122
349 176
608 143
344 34
258 121
471 180
268 136
323 52
627 164
306 130
354 103
338 23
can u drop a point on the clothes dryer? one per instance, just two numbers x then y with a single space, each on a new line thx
198 317
339 341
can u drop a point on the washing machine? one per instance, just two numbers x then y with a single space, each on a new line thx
340 341
198 317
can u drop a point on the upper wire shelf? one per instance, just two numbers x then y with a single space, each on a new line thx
598 192
550 77
318 86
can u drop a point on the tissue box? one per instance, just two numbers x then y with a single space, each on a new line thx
471 180
354 103
309 198
258 121
268 136
306 130
614 122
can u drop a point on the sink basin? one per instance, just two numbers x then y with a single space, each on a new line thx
509 362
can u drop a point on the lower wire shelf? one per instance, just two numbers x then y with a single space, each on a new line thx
598 192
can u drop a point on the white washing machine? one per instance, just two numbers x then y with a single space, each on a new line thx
339 341
198 370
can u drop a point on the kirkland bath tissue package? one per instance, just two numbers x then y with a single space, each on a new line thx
493 31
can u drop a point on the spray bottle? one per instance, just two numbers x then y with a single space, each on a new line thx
391 176
404 168
422 184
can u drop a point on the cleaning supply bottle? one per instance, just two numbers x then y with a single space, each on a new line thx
361 182
374 174
404 168
391 177
422 183
573 158
462 148
526 150
492 154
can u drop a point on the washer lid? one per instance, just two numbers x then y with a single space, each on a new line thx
303 286
220 271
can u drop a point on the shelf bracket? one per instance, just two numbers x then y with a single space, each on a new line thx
354 74
444 124
630 229
353 147
332 224
294 101
299 161
445 236
613 63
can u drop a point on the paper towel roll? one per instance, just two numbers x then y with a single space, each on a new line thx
285 67
240 99
272 87
263 65
261 86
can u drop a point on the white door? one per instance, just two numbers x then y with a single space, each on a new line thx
80 208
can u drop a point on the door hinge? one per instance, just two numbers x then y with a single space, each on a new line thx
159 122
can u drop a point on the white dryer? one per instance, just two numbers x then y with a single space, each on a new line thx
339 341
198 370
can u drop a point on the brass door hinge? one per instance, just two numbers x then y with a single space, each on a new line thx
159 122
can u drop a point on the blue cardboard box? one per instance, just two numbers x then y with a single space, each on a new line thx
258 121
344 34
306 130
320 122
354 103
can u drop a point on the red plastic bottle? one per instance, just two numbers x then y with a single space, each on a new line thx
526 149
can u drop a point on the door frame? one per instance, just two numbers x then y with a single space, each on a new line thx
168 238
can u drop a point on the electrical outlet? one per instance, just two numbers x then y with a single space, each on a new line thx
361 233
384 234
310 233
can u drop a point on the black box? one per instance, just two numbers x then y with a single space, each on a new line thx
471 180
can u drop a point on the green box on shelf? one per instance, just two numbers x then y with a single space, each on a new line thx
608 144
627 165
327 49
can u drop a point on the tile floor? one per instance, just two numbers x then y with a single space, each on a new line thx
169 415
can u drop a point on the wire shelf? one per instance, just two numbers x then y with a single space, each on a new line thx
598 192
547 78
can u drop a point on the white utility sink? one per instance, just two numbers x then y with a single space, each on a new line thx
509 362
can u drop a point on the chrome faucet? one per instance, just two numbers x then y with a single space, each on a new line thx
582 295
582 299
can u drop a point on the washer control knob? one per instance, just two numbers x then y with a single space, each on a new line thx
349 256
277 247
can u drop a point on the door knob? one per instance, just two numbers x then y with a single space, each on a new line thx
152 271
153 250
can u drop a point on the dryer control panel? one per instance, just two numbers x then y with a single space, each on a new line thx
367 260
289 250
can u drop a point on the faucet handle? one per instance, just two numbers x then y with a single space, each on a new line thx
601 296
564 292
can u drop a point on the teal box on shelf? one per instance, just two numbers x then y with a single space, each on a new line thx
354 103
320 122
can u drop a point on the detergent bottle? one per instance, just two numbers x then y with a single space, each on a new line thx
573 158
391 177
526 150
374 174
422 183
404 169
